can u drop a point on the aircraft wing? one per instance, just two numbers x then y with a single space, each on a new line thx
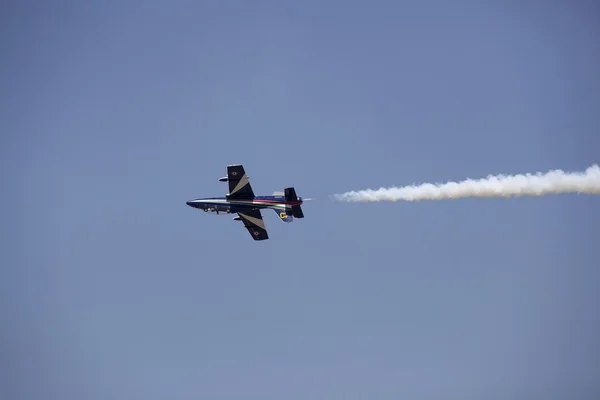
254 223
239 186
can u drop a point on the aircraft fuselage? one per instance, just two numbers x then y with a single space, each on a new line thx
223 205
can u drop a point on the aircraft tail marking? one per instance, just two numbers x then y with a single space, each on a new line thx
285 216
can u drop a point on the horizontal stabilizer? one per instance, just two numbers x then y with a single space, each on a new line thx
297 212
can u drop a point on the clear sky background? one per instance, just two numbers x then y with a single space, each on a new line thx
114 114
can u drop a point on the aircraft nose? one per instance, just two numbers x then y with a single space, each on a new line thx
189 203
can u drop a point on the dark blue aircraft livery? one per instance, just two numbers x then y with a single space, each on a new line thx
242 201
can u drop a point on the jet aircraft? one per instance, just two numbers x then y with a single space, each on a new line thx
241 201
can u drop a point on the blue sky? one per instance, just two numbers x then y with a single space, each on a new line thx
114 114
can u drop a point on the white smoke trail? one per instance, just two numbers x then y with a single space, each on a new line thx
552 182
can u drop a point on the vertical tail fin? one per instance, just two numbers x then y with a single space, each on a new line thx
290 196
